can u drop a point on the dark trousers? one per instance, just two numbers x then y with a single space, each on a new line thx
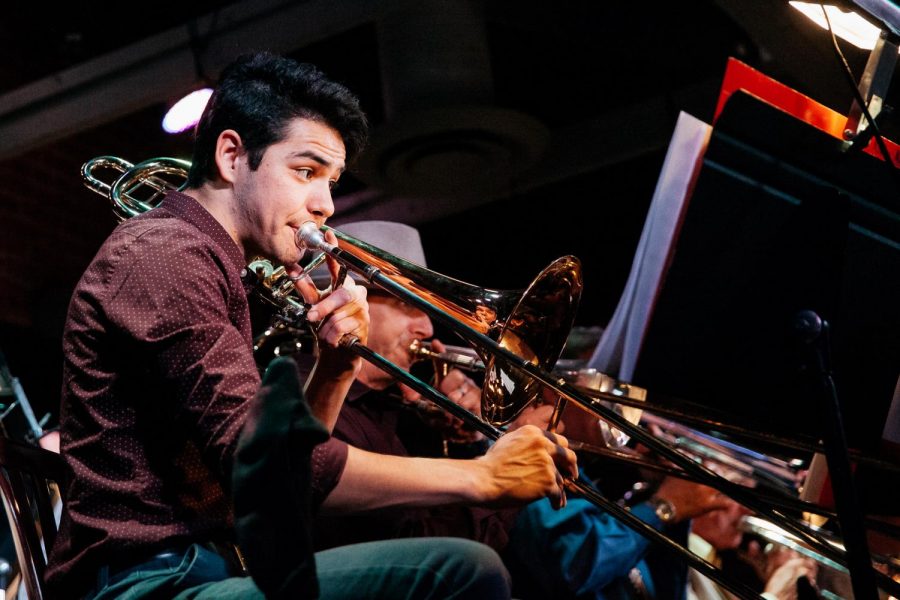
415 568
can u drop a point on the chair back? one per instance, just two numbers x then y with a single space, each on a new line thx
27 475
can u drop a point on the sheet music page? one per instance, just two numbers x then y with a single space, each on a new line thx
891 434
617 351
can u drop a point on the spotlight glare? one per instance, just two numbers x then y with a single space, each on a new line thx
186 112
847 25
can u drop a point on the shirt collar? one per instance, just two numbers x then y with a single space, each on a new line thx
188 209
702 548
357 391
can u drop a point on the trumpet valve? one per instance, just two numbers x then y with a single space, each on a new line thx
418 350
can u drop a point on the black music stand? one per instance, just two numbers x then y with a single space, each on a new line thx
782 221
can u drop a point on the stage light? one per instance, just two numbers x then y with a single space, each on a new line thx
846 24
185 113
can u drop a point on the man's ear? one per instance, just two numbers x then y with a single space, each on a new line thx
229 152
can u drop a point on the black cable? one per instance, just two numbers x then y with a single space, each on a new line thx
879 140
199 44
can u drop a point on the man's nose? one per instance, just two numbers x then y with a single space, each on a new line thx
421 326
320 202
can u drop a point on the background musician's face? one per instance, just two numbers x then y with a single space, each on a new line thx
721 527
393 326
291 186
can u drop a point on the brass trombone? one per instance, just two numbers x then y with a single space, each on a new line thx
138 188
519 336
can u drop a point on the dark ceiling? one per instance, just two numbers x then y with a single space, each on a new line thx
509 132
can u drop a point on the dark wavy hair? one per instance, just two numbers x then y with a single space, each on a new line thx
258 95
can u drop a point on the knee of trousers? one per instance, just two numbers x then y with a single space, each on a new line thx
471 569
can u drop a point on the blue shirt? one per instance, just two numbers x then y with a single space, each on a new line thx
582 552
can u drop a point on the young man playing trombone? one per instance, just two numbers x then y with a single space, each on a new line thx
159 375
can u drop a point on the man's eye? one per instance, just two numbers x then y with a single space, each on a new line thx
333 184
305 173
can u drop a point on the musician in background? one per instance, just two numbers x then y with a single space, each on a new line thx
581 552
718 532
159 380
381 416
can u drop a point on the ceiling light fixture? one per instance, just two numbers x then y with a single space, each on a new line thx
185 113
846 24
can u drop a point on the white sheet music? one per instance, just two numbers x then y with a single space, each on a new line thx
617 351
891 434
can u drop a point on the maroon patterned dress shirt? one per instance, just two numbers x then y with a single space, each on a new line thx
157 380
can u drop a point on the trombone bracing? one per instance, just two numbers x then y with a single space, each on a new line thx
518 337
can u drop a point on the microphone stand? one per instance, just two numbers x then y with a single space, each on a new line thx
813 332
9 383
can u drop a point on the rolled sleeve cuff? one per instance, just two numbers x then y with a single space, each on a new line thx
328 461
646 513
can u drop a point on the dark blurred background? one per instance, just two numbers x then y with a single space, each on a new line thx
510 133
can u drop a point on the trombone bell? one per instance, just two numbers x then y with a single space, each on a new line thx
536 329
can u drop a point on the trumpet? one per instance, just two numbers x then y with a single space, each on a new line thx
454 356
775 535
457 357
518 335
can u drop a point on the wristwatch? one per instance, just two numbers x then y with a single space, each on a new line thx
665 510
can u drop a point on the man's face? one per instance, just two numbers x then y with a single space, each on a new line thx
393 326
721 527
291 186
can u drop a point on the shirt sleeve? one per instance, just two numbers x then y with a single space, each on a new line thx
328 458
328 461
580 547
169 292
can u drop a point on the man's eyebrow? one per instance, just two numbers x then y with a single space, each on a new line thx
316 157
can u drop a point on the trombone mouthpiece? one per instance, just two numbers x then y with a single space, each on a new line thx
308 237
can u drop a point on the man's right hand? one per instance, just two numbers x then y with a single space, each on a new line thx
526 465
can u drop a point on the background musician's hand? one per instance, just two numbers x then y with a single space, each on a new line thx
783 582
691 499
525 465
462 390
537 415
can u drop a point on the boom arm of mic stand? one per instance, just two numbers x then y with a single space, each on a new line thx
813 331
35 430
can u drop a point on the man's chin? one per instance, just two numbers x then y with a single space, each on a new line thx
288 257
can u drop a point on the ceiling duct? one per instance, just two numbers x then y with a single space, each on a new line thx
443 137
